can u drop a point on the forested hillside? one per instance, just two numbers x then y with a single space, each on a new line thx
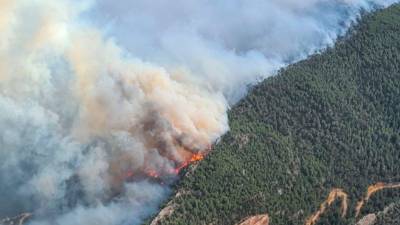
390 215
331 121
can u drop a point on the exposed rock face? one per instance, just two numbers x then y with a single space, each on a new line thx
165 212
369 219
170 207
256 220
18 220
390 215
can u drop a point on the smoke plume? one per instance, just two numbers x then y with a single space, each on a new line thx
101 103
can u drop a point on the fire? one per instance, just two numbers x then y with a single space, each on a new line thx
196 157
152 173
129 174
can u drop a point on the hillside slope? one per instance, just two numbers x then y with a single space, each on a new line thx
390 215
331 121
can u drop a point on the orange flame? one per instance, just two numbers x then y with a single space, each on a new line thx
129 174
152 173
155 174
194 158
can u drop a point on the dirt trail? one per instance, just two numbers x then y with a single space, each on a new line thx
333 195
371 191
340 194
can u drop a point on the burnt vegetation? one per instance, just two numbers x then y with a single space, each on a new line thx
331 121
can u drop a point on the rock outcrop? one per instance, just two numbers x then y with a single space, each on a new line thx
369 219
256 220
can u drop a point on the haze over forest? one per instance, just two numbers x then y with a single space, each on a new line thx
108 109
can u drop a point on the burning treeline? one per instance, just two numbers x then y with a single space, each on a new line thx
84 120
89 120
340 194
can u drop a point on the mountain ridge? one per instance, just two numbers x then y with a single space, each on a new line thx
331 121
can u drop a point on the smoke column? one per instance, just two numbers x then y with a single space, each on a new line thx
102 102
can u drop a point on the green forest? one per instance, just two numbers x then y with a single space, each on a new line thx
330 121
390 215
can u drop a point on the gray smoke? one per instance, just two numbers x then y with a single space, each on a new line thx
230 44
100 102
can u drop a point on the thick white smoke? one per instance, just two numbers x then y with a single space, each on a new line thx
228 43
98 98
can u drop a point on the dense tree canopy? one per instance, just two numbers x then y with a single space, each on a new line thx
332 120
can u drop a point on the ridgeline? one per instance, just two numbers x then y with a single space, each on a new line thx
331 121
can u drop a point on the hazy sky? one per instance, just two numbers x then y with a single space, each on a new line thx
93 93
